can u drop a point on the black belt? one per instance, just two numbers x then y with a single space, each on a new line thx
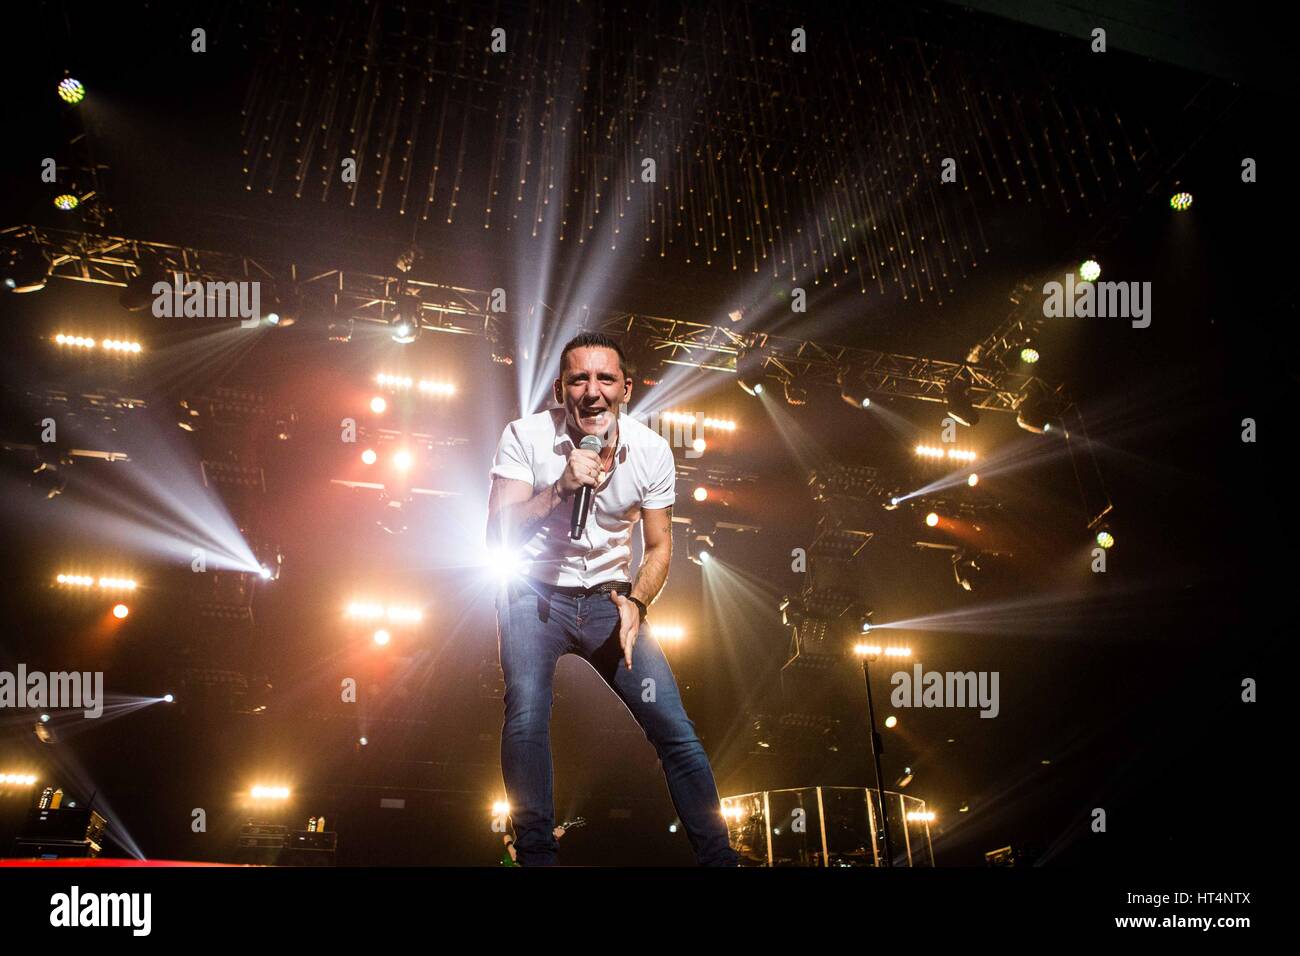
622 587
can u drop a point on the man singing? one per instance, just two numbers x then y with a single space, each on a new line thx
576 598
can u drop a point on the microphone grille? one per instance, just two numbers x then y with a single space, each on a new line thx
591 443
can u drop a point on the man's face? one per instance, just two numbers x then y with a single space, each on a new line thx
591 388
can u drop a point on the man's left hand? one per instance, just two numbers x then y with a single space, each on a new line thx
629 616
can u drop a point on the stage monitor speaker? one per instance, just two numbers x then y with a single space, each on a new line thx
74 832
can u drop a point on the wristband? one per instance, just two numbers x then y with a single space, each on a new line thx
640 607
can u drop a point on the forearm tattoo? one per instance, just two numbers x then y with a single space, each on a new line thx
541 505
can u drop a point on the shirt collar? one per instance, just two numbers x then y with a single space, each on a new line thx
562 432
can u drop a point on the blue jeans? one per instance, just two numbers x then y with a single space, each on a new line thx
535 627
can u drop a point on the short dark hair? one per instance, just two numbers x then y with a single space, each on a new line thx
596 340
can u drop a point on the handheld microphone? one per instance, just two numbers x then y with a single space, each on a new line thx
582 501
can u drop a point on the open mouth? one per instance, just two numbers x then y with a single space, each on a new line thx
593 415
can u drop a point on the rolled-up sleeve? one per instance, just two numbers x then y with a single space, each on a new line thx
662 489
511 459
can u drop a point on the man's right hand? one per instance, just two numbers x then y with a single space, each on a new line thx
583 469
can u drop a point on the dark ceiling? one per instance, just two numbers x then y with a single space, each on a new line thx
774 169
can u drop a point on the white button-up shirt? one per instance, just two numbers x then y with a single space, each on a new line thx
536 449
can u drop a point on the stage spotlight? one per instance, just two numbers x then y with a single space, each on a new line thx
406 261
854 395
1104 538
921 816
973 480
1180 202
45 718
699 549
260 792
965 570
391 517
651 374
378 405
117 584
71 91
701 493
138 294
749 369
168 699
905 779
1089 270
501 351
699 445
25 268
1040 417
500 808
404 331
382 637
794 395
932 519
48 480
17 779
402 460
861 616
369 457
735 315
667 632
960 407
75 341
1029 355
792 611
364 741
340 331
121 347
891 721
683 418
282 307
270 570
120 611
66 202
406 324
